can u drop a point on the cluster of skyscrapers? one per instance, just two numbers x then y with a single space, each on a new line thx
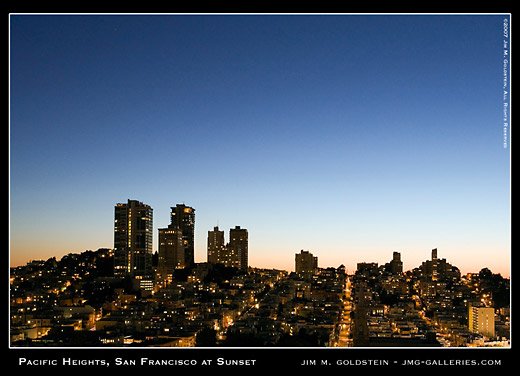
133 242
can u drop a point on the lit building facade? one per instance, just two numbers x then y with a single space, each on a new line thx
235 253
306 264
183 218
171 251
133 226
237 249
482 320
216 246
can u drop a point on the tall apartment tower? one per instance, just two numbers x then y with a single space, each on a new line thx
133 226
183 218
237 248
306 264
216 246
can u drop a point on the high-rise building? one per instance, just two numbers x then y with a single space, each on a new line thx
216 246
133 226
482 320
171 249
237 248
306 264
183 218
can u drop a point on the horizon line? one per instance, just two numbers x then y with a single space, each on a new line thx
274 268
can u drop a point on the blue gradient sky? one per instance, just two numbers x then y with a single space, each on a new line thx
349 136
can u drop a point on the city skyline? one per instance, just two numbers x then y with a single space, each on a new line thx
345 135
211 304
305 261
